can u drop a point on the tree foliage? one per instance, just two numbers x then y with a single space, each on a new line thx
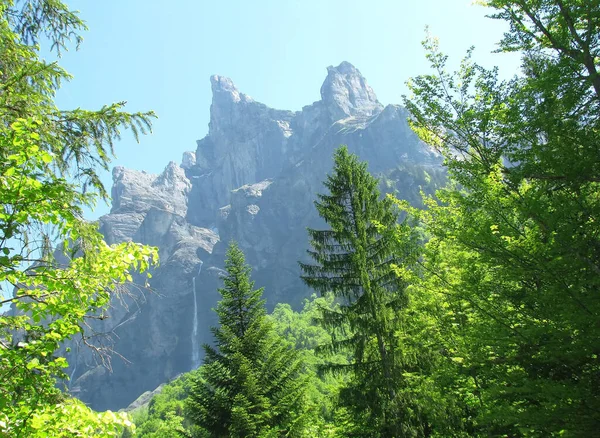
60 268
164 415
360 260
252 381
514 250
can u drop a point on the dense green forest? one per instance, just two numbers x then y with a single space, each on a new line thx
475 314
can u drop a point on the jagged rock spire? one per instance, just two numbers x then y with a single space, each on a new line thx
225 91
345 93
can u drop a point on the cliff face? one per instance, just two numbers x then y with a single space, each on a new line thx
253 179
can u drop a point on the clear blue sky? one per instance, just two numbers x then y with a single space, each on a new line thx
159 55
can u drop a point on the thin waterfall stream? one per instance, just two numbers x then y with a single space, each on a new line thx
195 343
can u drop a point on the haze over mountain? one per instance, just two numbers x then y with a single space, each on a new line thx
253 179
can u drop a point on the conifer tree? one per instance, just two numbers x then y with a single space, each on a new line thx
355 260
252 382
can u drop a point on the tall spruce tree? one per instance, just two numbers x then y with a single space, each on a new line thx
356 260
251 383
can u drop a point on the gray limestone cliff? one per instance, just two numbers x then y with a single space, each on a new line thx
253 179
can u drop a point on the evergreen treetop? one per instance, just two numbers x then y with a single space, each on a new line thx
357 260
252 382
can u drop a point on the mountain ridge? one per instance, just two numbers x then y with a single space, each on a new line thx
252 178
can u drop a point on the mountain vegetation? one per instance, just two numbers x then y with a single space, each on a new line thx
512 251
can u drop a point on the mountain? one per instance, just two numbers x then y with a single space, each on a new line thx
253 178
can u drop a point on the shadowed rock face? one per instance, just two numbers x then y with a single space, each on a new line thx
253 179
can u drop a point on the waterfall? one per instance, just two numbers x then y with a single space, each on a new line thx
195 343
76 356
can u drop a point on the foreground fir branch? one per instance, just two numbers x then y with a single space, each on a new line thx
55 268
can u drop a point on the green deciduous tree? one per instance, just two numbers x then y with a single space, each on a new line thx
515 250
306 334
61 270
359 260
252 382
164 415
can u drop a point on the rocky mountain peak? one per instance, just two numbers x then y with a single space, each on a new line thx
225 91
139 191
229 106
346 93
